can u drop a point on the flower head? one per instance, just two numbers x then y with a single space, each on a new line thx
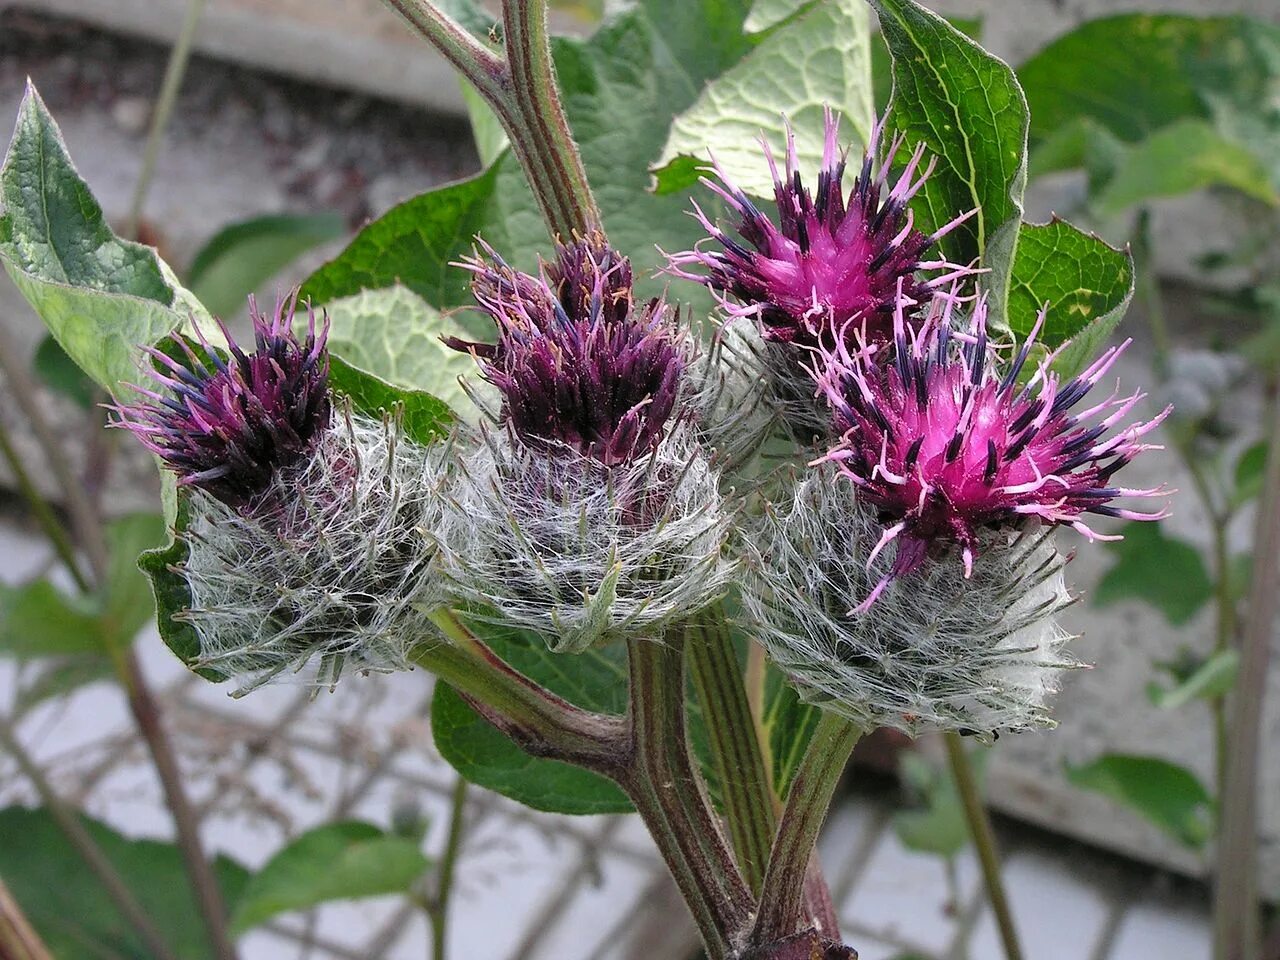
944 448
579 365
229 426
829 264
335 575
939 651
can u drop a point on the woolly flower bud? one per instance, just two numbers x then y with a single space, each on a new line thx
828 267
330 564
976 655
581 552
577 363
229 427
944 448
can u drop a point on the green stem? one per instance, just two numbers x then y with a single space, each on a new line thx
781 912
984 840
174 71
735 748
438 909
79 837
541 723
667 790
1236 922
43 513
558 176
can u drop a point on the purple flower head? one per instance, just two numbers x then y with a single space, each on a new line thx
828 265
228 426
942 446
578 363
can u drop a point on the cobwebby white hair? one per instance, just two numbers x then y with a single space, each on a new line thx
329 571
554 542
935 650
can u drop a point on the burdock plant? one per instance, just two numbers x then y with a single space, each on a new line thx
902 570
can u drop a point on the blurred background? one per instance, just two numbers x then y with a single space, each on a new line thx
298 120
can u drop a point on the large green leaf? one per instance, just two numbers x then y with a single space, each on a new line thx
242 256
1085 282
817 60
337 861
966 106
621 86
395 335
38 619
935 823
1183 157
73 913
1167 573
1168 795
100 296
595 680
788 723
414 243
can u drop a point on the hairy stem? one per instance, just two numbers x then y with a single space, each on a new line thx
984 840
735 748
18 939
174 71
540 722
782 902
663 783
1236 923
558 176
438 908
68 822
147 716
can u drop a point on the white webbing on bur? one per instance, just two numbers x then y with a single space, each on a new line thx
582 554
935 650
330 570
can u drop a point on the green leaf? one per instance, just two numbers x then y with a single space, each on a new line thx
938 823
967 107
60 373
126 596
1181 158
100 296
1169 796
1213 678
595 680
486 130
241 257
172 596
818 59
57 676
1249 472
766 14
424 418
39 620
414 244
73 913
788 724
1167 573
395 335
337 861
1086 283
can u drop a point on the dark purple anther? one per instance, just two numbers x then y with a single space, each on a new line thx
228 427
578 363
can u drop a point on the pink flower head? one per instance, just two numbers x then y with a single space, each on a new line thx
943 446
578 364
228 426
827 266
